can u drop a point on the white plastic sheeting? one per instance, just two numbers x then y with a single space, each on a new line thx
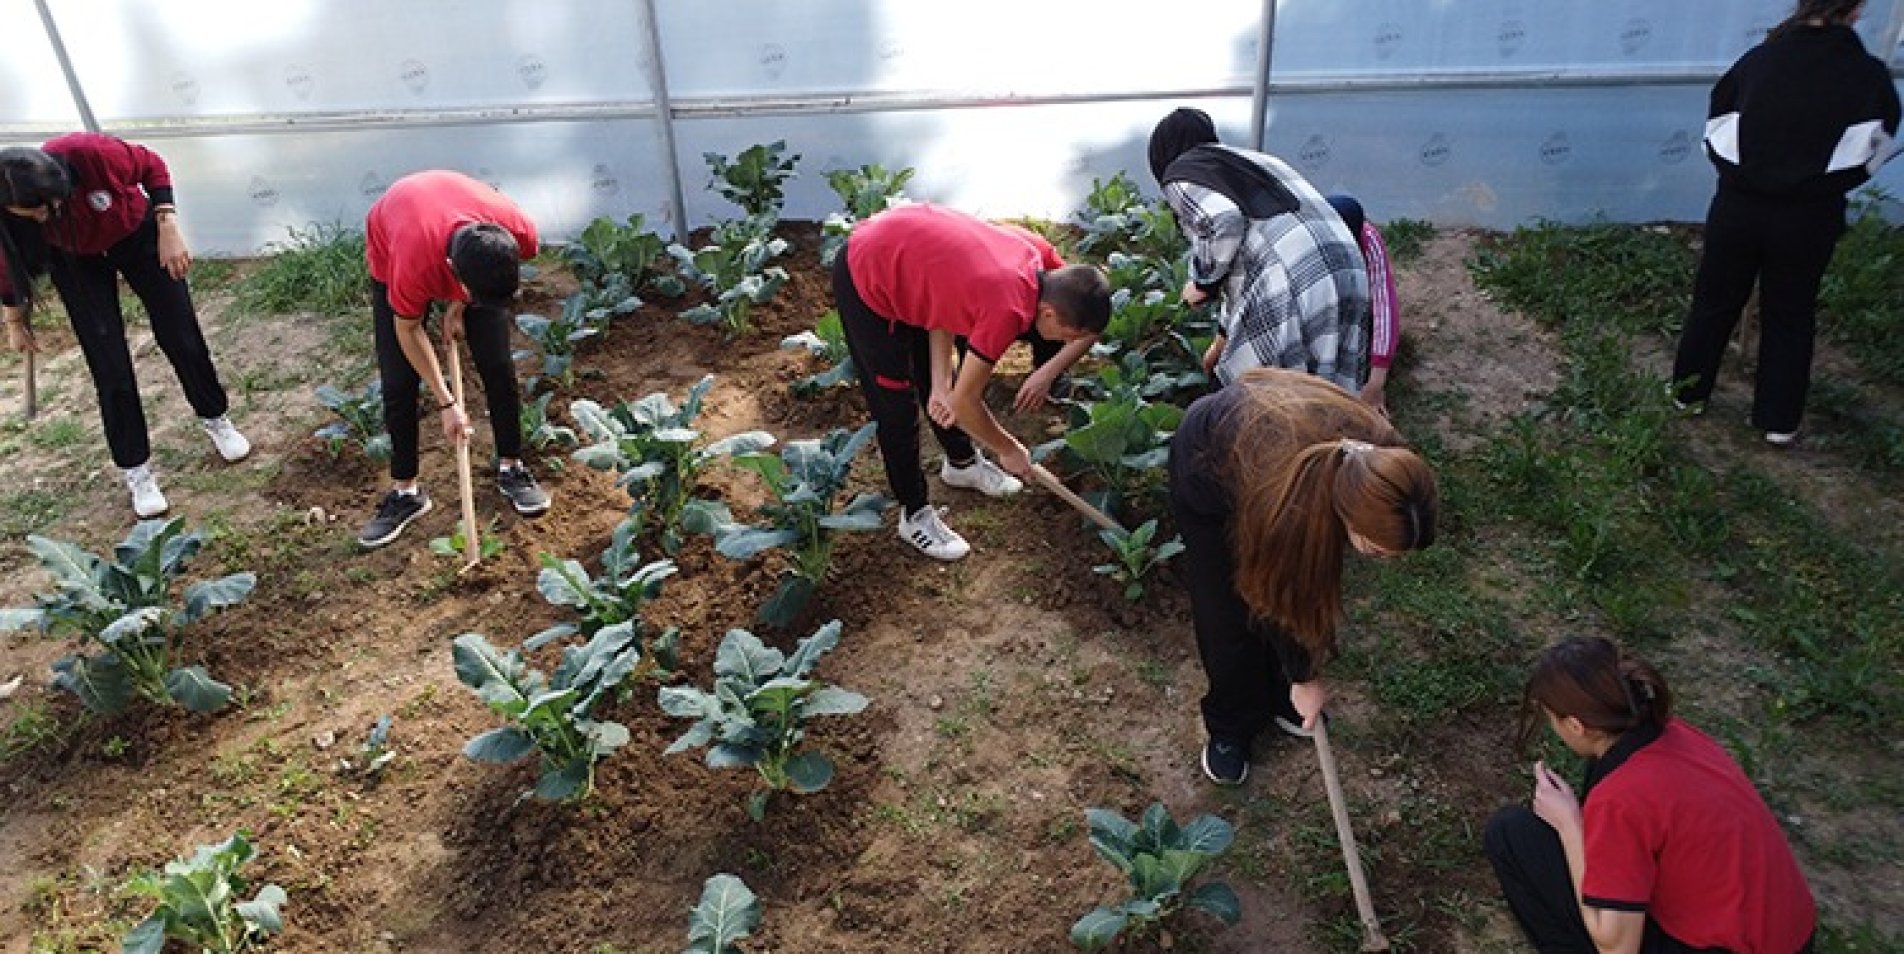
279 114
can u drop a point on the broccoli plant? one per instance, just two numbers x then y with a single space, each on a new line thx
630 251
550 715
1161 860
1135 556
125 605
540 433
1118 218
865 192
613 599
556 338
733 270
756 179
728 912
199 903
806 481
651 444
827 341
359 421
756 712
1125 442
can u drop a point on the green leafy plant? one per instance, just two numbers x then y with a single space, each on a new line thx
614 598
316 270
198 903
1125 442
756 179
551 715
1161 860
125 605
865 192
488 543
1136 558
555 339
539 432
630 251
359 421
756 713
1406 239
376 753
652 445
728 912
806 481
827 341
1118 218
733 270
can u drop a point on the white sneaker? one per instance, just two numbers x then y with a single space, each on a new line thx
147 501
929 533
981 475
1781 438
231 445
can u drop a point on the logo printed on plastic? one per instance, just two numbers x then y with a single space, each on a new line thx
532 71
1388 36
371 185
1314 152
414 75
1635 35
1676 148
1556 149
892 49
603 180
100 200
1436 150
1511 37
185 87
299 79
262 192
773 60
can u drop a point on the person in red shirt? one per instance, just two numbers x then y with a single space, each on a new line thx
90 208
443 236
916 280
1673 850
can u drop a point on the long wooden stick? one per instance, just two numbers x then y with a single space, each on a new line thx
1056 486
1372 939
32 385
472 540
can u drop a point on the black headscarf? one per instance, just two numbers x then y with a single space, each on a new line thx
1184 148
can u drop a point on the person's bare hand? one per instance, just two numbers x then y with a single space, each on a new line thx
939 408
173 254
1192 295
456 427
1212 355
20 338
1033 393
1309 698
1016 461
1554 800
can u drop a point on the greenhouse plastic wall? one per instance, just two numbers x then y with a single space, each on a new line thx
281 115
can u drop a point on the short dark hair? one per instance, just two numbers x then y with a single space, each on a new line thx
30 178
1081 294
487 261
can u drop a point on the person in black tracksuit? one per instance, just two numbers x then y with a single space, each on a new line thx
1797 122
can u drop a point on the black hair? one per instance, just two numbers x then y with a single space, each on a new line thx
1830 11
29 178
487 261
1351 212
1081 294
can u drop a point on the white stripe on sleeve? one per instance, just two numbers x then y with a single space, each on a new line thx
1722 134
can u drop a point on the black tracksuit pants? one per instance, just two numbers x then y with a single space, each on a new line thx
1532 868
1784 246
486 331
89 287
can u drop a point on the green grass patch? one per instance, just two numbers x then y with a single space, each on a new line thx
320 269
1858 302
1407 238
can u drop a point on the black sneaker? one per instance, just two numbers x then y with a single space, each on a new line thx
523 492
1226 763
394 512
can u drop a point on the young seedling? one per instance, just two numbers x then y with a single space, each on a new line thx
756 179
1136 558
756 712
453 547
614 598
375 754
125 605
541 434
359 421
827 341
1161 860
550 715
728 913
806 482
651 444
198 903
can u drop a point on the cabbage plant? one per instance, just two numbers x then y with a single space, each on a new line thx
1161 860
865 191
612 599
827 341
756 712
359 421
199 903
755 179
1136 558
549 715
733 270
727 914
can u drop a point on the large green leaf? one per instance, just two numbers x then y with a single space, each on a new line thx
1208 834
832 700
561 783
101 682
146 938
727 913
132 628
748 442
501 745
687 702
564 582
727 755
207 595
700 734
1216 898
195 689
606 737
745 542
1159 830
743 656
261 912
789 599
480 665
808 772
1113 835
706 516
807 654
73 571
583 665
1096 930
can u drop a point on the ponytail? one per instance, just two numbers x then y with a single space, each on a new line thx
1832 12
1592 679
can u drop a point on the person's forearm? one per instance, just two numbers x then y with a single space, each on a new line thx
416 346
940 347
13 314
1068 356
968 403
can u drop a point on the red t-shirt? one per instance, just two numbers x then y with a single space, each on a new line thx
407 236
112 181
936 268
1679 832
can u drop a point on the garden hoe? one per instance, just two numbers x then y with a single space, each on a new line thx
1372 939
32 385
465 484
1056 486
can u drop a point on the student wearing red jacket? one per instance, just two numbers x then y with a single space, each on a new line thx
916 280
90 208
443 236
1672 851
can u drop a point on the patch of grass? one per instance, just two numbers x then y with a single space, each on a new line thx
34 726
59 434
213 275
33 510
1858 303
1407 238
320 269
1852 419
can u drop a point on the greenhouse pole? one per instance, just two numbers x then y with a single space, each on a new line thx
664 116
1259 101
66 66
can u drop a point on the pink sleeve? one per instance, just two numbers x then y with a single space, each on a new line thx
149 167
1382 306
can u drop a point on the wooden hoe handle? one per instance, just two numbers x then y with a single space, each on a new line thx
32 385
1372 939
465 482
1056 486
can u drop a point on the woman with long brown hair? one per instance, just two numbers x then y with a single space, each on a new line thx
1270 478
1673 851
